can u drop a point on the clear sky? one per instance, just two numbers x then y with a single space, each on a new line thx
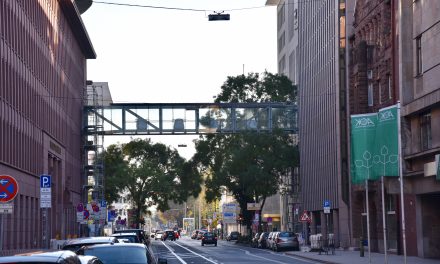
154 55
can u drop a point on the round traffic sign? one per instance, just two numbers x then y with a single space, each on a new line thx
80 208
8 188
86 214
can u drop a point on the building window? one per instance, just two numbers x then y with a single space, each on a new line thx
281 41
281 16
370 94
380 93
425 131
390 89
419 55
282 65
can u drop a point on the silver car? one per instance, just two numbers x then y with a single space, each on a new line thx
283 240
269 239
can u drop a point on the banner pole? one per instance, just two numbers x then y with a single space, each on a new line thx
368 220
385 244
402 204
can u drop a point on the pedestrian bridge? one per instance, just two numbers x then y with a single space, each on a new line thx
189 118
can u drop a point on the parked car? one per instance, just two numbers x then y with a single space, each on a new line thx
232 236
122 253
269 240
254 241
262 240
194 234
209 238
169 235
131 237
200 234
158 235
62 256
142 236
89 260
76 243
284 240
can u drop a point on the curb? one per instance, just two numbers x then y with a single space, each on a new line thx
311 258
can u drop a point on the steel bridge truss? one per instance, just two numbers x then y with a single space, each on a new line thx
190 118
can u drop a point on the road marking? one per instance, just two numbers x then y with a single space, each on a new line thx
271 260
297 258
196 253
283 254
172 252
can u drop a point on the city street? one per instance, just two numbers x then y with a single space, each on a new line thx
186 250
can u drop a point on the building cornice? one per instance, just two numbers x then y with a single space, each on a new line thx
79 30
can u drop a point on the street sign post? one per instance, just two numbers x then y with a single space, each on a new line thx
45 191
8 188
45 203
326 207
305 217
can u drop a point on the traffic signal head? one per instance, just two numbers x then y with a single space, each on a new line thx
216 17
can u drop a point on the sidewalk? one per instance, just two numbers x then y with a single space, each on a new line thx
350 257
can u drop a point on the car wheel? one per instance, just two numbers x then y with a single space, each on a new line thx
215 244
203 244
276 249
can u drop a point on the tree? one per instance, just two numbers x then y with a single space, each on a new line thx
249 165
152 174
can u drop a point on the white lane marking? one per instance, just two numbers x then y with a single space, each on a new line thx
172 252
271 260
196 253
297 258
283 254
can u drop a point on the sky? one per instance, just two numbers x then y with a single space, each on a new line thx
156 55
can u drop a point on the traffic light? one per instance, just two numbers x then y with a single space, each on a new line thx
218 16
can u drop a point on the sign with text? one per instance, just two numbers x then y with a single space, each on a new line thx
45 191
253 206
229 217
230 207
6 208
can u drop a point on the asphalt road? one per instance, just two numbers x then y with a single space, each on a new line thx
189 251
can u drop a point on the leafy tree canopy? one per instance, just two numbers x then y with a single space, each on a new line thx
249 165
153 174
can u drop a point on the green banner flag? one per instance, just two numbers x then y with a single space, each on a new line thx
386 154
374 145
363 132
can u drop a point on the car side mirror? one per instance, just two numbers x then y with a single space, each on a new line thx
162 261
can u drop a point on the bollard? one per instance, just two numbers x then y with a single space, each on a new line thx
361 246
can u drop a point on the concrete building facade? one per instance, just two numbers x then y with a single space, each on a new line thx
323 117
372 86
43 47
418 52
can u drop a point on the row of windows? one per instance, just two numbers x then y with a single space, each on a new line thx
384 92
41 84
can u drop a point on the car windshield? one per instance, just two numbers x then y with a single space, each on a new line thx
208 234
131 238
118 255
286 234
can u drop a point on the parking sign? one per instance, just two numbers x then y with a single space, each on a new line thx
45 181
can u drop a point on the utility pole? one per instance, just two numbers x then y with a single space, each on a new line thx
200 218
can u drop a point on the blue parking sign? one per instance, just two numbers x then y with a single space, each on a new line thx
45 181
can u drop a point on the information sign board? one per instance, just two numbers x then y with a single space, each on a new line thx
45 191
6 208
